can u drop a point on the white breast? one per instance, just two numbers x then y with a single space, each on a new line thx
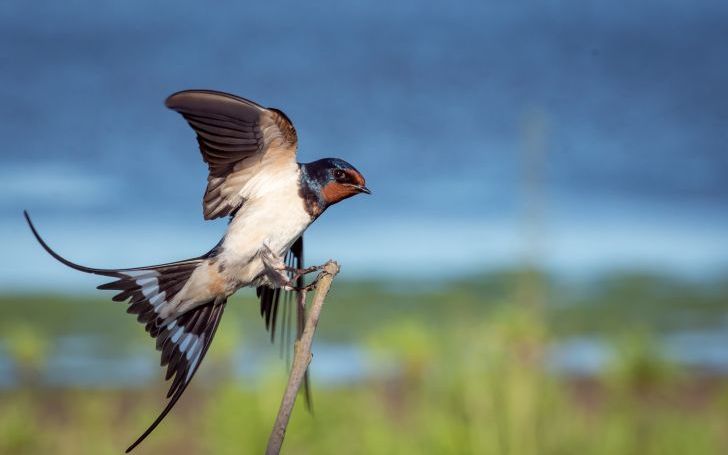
273 213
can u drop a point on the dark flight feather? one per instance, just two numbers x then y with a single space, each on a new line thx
230 130
270 301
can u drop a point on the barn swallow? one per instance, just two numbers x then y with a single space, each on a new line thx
270 198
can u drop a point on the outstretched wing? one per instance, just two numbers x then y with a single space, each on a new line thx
237 139
270 303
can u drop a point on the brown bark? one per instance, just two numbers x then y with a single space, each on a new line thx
301 358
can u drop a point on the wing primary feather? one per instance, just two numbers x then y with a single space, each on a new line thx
297 250
270 299
306 379
274 314
214 125
283 335
288 335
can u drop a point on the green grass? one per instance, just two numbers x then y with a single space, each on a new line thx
464 367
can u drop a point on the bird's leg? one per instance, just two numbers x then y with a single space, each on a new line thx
275 268
283 276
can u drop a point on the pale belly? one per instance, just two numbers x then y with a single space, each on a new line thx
239 263
276 218
277 222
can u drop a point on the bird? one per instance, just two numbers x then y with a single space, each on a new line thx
270 199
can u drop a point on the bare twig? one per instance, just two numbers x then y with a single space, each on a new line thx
301 358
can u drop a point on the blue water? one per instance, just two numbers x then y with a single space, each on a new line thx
85 361
586 135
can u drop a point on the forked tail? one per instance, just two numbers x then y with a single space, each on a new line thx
184 340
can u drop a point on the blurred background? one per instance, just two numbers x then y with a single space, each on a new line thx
543 266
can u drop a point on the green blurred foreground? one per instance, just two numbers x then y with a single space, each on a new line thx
463 373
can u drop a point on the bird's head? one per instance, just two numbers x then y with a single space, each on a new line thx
334 180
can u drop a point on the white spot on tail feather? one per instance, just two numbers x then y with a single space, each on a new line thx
186 342
140 273
177 334
158 300
196 359
147 280
193 346
151 289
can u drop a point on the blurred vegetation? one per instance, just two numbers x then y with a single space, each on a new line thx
462 370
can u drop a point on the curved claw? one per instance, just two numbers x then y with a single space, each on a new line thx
298 273
290 285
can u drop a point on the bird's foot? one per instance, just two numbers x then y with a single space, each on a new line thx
291 286
283 276
295 273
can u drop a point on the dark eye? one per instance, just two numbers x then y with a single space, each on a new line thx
339 175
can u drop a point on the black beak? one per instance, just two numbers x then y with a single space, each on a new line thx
363 189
